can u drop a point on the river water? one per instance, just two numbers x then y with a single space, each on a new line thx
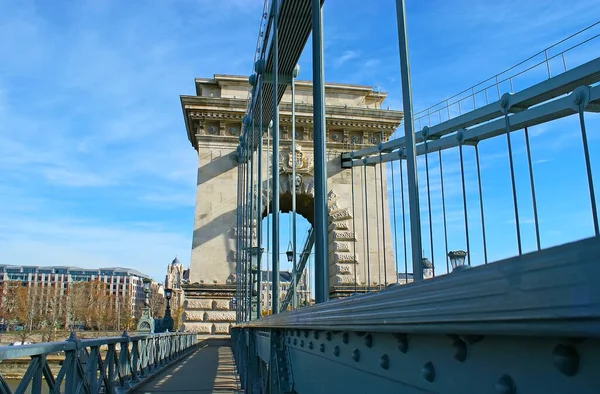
13 383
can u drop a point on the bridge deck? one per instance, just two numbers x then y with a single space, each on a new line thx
210 369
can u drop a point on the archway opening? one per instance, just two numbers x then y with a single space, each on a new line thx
304 218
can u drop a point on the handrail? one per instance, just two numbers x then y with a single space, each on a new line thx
98 365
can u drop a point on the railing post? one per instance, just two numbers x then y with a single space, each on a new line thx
72 358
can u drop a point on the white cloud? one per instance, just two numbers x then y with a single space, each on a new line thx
345 57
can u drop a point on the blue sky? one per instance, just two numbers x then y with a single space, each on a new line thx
96 167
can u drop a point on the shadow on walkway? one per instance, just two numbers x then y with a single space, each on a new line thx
210 369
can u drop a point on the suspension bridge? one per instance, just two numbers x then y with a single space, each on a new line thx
403 301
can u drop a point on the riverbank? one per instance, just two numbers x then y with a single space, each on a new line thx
16 368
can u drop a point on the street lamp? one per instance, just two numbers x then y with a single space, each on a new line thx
146 282
146 323
167 319
457 260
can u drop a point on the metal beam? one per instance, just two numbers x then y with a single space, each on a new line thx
531 294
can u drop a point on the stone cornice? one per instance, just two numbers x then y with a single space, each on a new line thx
341 121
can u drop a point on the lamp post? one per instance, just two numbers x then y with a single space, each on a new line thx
457 260
167 319
146 323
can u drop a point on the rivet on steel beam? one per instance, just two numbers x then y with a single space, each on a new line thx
336 351
428 372
322 348
302 343
402 342
356 355
310 345
328 336
506 385
566 359
460 350
368 340
345 337
384 362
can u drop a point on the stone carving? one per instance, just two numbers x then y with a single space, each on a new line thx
344 280
343 235
233 131
333 207
304 162
212 130
342 214
344 269
335 137
355 139
340 247
331 196
343 257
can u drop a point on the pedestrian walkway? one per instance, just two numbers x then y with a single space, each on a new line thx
210 369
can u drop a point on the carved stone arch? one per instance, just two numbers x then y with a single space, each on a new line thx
342 261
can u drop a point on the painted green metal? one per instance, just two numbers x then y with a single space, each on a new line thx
103 365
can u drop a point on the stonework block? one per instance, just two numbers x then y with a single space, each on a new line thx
342 225
334 207
194 316
339 246
221 305
198 328
343 269
204 304
342 214
343 235
220 316
343 258
222 328
344 280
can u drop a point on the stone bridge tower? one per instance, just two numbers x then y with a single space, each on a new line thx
213 121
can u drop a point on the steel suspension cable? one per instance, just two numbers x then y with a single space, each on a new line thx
588 168
429 208
532 185
464 195
259 205
394 218
364 232
403 223
354 229
513 184
485 258
444 210
383 215
367 228
377 226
